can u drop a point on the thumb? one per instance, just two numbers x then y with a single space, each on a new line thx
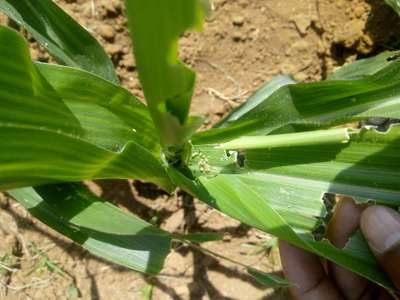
381 227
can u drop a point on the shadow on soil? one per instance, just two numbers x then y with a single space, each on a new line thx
201 285
381 28
121 193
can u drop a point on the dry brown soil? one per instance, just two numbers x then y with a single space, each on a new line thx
244 44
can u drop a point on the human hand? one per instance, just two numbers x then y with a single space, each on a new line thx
380 226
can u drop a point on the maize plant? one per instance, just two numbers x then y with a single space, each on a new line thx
268 163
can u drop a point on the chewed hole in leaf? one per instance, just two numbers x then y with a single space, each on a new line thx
240 159
329 201
381 124
238 156
393 57
341 222
319 232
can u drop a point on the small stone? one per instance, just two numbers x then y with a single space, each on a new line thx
359 11
237 36
366 44
300 77
227 238
340 3
106 31
238 21
126 50
114 49
85 10
367 40
287 68
300 46
34 53
112 6
128 60
350 34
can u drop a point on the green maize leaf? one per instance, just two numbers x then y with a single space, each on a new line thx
63 37
109 115
395 4
367 167
279 190
257 98
318 137
365 67
35 156
287 183
98 226
155 27
48 139
320 104
269 279
147 292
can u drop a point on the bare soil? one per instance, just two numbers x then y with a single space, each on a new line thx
244 44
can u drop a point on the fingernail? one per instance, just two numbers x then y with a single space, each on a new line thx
381 228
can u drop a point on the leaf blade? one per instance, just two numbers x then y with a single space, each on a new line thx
230 195
168 84
97 226
364 67
50 135
255 99
279 190
320 104
269 279
60 35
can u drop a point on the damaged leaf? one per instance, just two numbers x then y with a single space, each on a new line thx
155 26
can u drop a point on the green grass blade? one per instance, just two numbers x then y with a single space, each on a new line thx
69 132
101 228
63 37
168 84
269 279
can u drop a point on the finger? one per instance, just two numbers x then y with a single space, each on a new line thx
345 221
381 228
384 296
373 292
305 271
